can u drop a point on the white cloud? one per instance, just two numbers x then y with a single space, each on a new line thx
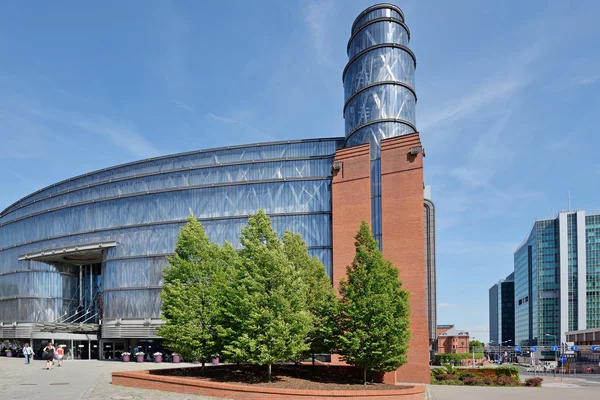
121 133
482 96
183 106
233 121
317 17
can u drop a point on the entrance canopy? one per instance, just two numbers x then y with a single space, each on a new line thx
76 255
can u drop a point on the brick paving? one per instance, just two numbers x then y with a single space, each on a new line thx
79 379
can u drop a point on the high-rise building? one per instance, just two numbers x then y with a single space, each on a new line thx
81 260
502 312
557 279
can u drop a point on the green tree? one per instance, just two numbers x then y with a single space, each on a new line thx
374 310
479 346
321 300
192 299
268 305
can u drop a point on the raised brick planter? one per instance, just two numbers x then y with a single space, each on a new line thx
145 380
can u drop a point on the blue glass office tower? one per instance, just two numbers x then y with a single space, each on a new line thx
379 93
557 279
502 312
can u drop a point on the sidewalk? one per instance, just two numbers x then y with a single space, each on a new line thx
436 392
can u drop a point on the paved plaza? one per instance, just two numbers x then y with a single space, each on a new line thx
79 379
83 379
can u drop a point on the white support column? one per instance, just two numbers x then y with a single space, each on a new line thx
80 286
91 291
564 275
581 273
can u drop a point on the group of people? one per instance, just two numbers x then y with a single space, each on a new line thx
50 353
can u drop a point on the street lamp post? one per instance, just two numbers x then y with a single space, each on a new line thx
473 348
555 352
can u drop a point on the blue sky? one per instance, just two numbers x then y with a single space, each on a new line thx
508 103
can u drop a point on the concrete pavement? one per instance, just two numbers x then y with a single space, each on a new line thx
78 379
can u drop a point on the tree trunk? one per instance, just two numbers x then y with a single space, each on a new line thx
313 363
364 376
203 368
269 373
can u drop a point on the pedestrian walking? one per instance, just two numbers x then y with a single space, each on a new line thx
60 352
28 353
48 355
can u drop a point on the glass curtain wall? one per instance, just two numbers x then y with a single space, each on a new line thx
379 90
141 207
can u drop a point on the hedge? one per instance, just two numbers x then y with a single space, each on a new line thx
501 376
457 358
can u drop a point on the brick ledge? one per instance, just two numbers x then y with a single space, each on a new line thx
142 380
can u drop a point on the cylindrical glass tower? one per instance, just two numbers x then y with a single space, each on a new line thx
379 89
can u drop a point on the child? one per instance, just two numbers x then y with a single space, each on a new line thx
60 352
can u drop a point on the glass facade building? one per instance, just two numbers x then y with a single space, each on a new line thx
502 312
379 94
116 226
90 250
557 284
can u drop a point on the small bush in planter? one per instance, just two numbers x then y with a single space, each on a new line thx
140 356
125 355
471 381
488 380
506 381
534 382
446 377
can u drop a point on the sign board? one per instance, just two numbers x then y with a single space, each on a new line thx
594 348
533 348
562 359
518 348
574 348
554 348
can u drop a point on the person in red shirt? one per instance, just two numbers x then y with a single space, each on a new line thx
60 352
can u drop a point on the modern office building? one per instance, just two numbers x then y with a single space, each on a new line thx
557 279
81 260
502 312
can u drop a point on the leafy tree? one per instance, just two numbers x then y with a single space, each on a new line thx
479 346
268 305
374 310
321 300
192 299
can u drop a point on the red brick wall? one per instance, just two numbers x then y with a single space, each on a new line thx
453 344
351 204
403 231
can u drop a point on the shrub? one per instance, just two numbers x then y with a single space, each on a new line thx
462 375
471 380
446 377
507 381
488 380
534 382
507 371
